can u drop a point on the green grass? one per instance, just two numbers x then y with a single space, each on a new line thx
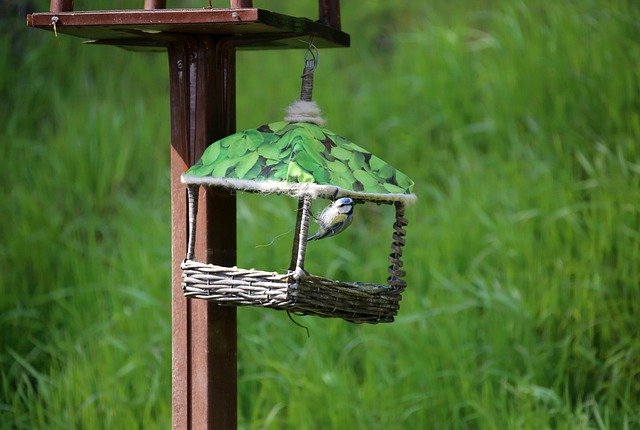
519 122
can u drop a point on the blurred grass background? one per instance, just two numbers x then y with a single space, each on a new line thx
519 121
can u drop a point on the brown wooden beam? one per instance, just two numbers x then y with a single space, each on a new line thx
57 6
261 28
202 85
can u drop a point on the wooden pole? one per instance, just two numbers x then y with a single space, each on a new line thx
204 350
329 13
155 4
239 4
57 6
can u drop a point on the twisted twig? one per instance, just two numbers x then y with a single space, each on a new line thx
302 237
192 195
395 269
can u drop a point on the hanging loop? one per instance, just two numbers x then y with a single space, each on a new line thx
311 57
310 65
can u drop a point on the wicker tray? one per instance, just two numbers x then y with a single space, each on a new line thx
356 302
297 291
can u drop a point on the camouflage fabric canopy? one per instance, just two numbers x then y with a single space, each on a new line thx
299 158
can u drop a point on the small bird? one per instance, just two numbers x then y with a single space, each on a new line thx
334 218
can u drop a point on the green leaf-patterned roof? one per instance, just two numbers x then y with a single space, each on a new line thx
298 157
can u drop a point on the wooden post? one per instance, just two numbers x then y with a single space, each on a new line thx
204 354
57 6
329 13
239 4
155 4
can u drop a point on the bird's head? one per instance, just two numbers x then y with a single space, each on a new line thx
344 205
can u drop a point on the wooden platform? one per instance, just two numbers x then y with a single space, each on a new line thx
250 27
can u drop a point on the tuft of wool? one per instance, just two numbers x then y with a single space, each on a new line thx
301 111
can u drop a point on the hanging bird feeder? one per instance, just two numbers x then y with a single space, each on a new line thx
300 158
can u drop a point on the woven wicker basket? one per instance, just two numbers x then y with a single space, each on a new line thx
297 291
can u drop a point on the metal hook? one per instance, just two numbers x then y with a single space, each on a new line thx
310 65
312 54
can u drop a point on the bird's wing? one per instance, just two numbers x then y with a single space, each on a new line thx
343 222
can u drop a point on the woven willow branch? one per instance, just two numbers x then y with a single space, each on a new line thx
233 285
302 237
192 198
310 295
297 236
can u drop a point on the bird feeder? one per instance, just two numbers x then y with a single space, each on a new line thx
300 158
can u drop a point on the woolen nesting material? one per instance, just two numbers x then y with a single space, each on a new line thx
300 158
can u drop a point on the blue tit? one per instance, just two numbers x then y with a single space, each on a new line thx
334 218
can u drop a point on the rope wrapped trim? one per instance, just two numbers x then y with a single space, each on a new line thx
298 190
